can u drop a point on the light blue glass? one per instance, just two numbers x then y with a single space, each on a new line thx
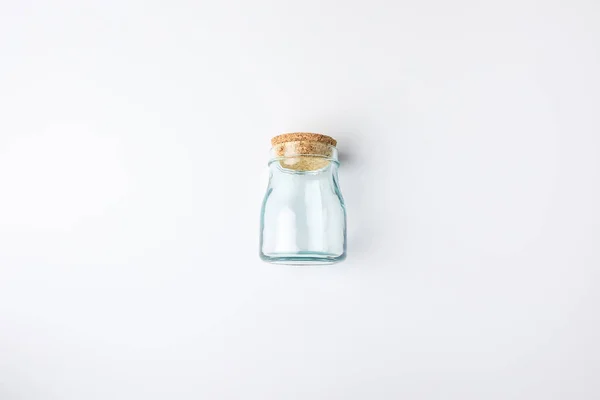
303 218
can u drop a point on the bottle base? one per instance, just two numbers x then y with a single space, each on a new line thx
303 258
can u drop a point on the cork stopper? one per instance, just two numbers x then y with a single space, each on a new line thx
303 137
303 151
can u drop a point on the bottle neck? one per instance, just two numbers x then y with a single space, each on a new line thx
303 166
304 156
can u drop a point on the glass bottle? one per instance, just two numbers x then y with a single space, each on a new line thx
303 218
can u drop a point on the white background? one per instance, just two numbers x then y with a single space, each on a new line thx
133 139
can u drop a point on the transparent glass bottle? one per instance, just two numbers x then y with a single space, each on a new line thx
303 218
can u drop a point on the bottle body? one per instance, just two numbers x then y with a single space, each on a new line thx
303 218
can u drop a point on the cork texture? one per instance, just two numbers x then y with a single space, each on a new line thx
303 151
303 137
